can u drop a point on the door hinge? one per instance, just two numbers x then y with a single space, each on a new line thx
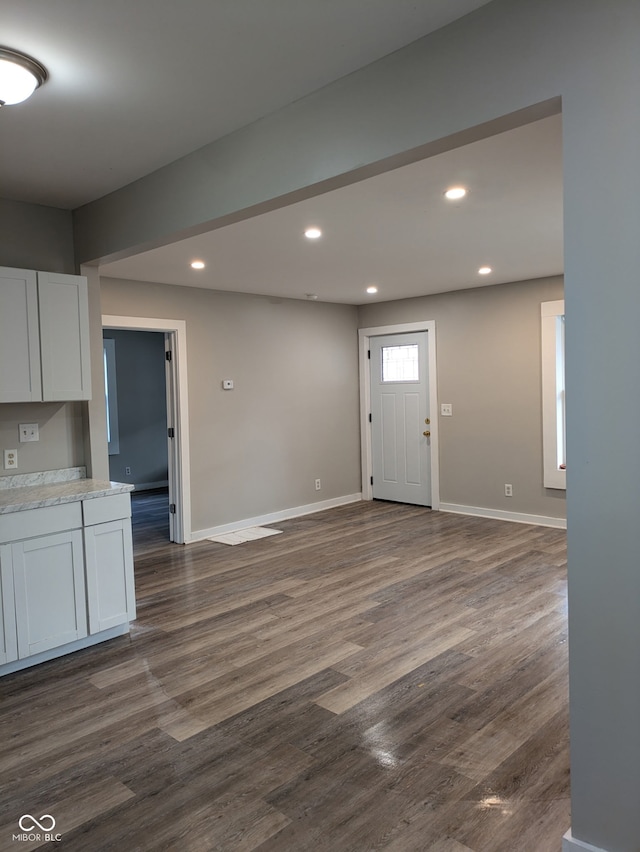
172 508
372 480
368 353
171 432
167 355
370 418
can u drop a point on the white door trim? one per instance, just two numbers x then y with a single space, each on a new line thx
178 328
364 334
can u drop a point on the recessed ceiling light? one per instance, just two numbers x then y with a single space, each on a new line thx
372 289
313 233
197 264
312 297
485 270
455 192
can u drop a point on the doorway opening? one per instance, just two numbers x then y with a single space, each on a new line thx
162 466
136 403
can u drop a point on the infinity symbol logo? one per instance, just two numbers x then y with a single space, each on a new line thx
28 822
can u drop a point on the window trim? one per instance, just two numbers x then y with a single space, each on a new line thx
553 393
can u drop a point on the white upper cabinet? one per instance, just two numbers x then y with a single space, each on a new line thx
44 337
20 378
64 336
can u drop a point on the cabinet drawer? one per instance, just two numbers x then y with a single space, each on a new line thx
101 510
33 522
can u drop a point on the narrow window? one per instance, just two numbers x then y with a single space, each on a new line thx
111 395
554 432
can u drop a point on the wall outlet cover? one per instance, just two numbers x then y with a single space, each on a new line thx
10 459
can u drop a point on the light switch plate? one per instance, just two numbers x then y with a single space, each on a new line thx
28 432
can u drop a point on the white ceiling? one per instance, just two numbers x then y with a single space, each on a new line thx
136 84
112 112
395 231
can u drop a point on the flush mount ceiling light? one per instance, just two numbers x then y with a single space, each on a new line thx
20 76
313 233
455 192
372 289
485 270
197 264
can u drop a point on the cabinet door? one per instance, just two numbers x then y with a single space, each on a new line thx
109 568
64 336
8 639
48 575
19 337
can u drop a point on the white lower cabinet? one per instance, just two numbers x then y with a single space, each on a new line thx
109 570
68 578
49 590
8 636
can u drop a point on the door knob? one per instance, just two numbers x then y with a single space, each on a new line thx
427 434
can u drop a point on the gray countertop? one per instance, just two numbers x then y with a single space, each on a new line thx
17 499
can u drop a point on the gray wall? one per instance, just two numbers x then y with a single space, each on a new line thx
61 435
293 415
36 237
142 412
488 356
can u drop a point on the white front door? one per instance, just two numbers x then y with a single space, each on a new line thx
400 418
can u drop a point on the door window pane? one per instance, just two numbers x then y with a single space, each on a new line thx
400 363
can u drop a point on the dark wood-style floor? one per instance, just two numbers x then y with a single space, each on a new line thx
150 520
376 677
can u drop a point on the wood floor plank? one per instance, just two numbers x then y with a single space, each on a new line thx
386 667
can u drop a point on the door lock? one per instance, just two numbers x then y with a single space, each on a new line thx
427 421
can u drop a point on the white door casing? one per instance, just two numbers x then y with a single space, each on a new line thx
172 430
429 445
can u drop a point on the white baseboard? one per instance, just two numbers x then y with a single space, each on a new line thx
274 517
499 515
570 844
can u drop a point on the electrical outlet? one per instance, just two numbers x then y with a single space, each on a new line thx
10 459
127 471
28 432
446 409
508 490
318 485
